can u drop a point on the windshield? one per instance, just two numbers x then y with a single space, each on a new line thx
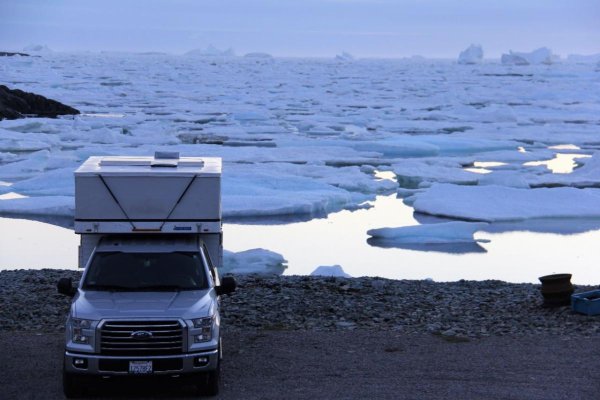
146 272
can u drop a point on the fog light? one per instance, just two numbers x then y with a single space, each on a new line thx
201 361
80 363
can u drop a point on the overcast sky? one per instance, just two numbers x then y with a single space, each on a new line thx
367 28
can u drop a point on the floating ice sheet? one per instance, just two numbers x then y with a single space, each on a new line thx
501 203
445 232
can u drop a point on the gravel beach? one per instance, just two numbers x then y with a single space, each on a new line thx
307 337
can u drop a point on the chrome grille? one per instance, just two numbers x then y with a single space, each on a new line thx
158 338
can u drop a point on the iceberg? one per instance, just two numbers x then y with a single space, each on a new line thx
253 261
492 203
543 55
330 270
472 55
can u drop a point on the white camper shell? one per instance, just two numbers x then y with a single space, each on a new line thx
165 194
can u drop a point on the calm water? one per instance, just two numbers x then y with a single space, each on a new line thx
515 252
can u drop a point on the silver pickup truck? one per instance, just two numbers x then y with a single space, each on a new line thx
145 306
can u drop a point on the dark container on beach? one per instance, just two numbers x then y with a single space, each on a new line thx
556 290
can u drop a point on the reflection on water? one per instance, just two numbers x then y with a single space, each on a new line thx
36 245
560 164
516 252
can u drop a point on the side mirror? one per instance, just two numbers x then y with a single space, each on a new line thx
65 286
228 285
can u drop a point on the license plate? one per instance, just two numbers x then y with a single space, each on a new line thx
140 367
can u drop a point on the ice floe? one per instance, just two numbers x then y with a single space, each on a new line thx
500 203
448 232
304 137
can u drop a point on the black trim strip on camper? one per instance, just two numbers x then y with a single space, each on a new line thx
178 201
116 201
146 220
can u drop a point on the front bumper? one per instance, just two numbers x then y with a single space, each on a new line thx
94 364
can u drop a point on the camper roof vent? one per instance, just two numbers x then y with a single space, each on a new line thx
165 159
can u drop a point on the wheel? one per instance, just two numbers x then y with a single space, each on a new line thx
72 386
210 381
213 379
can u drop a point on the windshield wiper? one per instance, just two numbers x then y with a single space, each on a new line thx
110 288
161 288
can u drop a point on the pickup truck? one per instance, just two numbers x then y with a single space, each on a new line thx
145 306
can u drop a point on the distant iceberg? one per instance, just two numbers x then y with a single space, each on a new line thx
542 55
37 48
346 57
472 55
211 51
264 56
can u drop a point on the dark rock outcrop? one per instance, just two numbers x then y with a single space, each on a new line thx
9 54
15 103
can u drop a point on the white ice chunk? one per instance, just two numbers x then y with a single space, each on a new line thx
505 178
501 203
253 261
445 232
43 205
51 183
412 172
542 55
330 270
472 55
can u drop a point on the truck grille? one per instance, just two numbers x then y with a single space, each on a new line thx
141 338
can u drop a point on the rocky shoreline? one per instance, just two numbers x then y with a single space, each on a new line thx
457 311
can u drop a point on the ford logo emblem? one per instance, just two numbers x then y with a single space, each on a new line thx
141 335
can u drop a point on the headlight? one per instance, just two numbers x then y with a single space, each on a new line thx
79 327
205 329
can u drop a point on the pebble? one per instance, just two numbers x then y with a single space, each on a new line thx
464 309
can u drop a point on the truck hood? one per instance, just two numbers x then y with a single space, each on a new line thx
97 305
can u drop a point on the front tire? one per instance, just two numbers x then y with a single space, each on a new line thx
210 381
72 386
